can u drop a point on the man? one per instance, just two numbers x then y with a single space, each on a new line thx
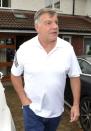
45 61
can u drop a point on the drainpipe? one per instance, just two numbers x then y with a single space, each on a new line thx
52 4
73 13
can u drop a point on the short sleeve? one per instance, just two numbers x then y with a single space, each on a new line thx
74 70
17 67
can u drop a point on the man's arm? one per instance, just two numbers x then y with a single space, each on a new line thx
18 85
75 86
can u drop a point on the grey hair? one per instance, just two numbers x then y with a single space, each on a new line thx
37 15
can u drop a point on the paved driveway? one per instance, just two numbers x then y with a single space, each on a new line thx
65 124
15 107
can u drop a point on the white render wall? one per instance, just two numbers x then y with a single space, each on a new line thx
33 5
66 6
82 7
88 8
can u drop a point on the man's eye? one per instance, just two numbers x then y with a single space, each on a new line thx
56 22
48 23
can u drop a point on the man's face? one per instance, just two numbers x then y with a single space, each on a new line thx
47 27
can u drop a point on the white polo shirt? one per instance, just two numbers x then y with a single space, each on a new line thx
45 74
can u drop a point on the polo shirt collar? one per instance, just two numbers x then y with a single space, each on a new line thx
58 44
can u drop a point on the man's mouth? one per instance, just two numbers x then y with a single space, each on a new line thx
55 32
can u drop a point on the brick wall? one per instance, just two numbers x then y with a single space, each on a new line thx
77 42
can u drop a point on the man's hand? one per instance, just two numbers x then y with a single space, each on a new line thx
74 115
25 101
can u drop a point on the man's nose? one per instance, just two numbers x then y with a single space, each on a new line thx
55 25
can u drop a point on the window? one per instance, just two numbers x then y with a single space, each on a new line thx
7 52
87 46
57 5
20 16
52 4
85 66
5 3
67 38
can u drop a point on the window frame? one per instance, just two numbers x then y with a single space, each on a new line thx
87 45
54 4
2 2
67 37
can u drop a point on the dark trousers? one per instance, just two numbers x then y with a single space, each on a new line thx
32 122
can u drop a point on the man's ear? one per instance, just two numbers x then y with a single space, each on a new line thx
36 27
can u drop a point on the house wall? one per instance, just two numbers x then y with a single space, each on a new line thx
88 8
33 5
82 7
66 6
77 42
